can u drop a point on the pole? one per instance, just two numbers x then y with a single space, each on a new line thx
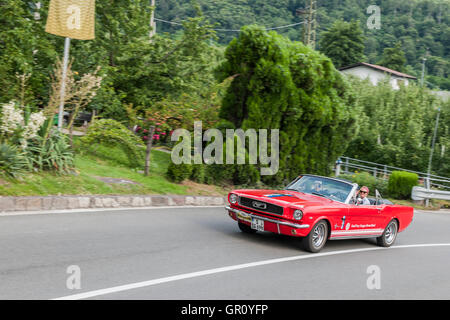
152 21
431 152
423 71
63 83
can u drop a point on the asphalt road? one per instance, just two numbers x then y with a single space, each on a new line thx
199 253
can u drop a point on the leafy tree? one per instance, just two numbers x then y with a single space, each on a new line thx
394 58
396 127
279 84
343 43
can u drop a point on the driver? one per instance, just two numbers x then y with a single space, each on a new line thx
317 186
361 197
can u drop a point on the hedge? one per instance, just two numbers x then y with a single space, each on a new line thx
401 183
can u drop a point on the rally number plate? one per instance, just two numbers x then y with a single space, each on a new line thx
257 224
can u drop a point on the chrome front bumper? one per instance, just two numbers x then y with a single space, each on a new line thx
278 222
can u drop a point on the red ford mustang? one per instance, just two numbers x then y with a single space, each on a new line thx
316 209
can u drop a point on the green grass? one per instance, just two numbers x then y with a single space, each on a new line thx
106 162
434 204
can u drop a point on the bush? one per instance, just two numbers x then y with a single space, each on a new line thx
112 133
53 154
12 162
178 172
366 179
198 173
401 184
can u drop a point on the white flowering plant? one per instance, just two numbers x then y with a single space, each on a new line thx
17 126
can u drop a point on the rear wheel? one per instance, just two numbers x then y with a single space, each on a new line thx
316 239
246 228
389 235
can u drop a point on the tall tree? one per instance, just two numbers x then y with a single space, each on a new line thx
279 84
343 43
394 58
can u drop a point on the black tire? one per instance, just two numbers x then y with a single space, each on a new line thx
316 239
389 235
245 228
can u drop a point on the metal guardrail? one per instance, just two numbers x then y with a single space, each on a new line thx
420 193
347 165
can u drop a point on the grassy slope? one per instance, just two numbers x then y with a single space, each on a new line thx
106 163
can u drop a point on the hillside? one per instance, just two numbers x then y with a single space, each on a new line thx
420 25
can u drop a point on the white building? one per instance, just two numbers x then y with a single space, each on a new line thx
377 73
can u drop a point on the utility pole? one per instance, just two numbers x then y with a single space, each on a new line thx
431 154
310 23
424 59
423 71
63 83
152 21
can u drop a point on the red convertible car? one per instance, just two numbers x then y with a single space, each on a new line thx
316 209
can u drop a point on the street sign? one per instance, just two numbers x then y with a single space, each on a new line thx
72 19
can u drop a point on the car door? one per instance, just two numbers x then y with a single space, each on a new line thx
359 222
365 220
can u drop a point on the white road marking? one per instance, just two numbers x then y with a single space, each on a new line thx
153 282
89 210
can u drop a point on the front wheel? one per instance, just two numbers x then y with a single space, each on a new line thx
316 239
389 235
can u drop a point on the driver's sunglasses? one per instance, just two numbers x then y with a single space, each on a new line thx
363 192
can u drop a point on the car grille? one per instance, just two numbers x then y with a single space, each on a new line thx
260 206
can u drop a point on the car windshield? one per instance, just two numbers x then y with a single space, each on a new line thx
320 186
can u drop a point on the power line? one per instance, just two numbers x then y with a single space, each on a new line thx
234 30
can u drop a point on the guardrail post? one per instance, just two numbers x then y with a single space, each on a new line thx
338 167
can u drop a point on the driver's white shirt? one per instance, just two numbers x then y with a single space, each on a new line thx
362 201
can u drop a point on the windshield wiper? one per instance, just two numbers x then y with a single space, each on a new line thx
291 189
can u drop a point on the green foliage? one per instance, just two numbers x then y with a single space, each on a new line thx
401 184
12 162
368 180
394 58
418 24
396 127
279 84
112 133
343 43
179 172
198 173
51 154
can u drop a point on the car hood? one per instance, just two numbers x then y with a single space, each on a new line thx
284 197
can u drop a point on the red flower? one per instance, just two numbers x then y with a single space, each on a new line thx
145 137
156 136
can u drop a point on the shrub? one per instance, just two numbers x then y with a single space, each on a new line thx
198 173
401 184
12 162
366 179
52 154
178 172
112 133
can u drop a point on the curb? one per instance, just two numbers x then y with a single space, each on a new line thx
37 203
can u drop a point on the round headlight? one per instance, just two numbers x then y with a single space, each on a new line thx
298 214
233 198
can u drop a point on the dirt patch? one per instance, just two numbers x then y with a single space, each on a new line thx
115 180
204 189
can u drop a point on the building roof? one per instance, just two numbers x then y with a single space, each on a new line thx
379 68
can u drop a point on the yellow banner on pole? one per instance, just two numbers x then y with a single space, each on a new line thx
72 19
